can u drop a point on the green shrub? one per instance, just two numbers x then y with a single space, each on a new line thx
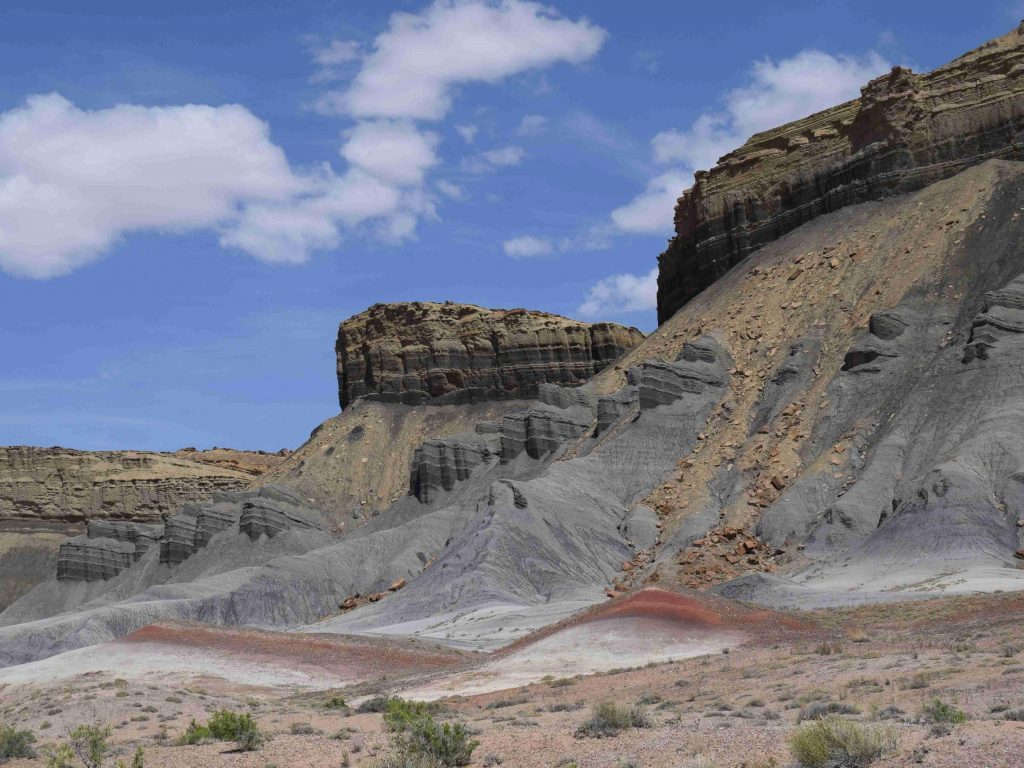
60 756
608 719
89 743
15 743
336 702
250 738
227 725
938 711
419 737
833 741
374 704
819 709
195 733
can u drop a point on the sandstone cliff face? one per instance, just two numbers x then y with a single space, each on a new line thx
411 352
905 132
48 494
66 486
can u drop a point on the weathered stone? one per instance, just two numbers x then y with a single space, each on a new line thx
59 484
179 541
87 559
438 464
264 516
905 132
540 431
696 369
412 352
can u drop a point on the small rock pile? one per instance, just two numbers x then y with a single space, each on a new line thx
354 601
724 553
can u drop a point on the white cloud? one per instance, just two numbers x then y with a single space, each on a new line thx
776 93
527 247
330 59
621 293
421 58
448 189
651 211
467 132
492 159
393 151
532 125
73 181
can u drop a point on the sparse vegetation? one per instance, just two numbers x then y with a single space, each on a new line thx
938 711
226 725
15 743
335 702
819 709
609 719
424 741
832 741
89 744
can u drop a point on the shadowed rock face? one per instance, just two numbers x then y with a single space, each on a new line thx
412 352
904 133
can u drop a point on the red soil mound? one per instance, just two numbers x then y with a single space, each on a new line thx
691 608
331 652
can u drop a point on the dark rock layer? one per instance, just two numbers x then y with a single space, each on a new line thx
905 132
412 352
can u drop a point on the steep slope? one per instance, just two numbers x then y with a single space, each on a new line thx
905 132
356 464
870 391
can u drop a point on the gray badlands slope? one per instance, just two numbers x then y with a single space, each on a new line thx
838 418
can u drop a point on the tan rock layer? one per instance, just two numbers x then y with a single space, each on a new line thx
410 352
904 133
62 486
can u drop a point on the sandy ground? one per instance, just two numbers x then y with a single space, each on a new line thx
881 664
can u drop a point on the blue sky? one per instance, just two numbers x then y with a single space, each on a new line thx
192 199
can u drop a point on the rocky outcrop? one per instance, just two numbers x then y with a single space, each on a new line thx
91 559
413 352
60 485
439 464
266 511
905 132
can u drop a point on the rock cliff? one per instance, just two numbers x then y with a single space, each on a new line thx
48 494
68 486
905 132
411 352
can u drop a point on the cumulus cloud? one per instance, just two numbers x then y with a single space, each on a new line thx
492 159
72 181
621 293
532 125
646 213
393 151
418 62
527 247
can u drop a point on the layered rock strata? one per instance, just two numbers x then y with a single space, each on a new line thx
60 485
905 132
412 352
